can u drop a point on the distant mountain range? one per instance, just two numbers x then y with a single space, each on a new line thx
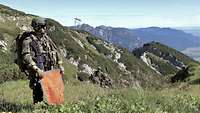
193 30
134 38
120 36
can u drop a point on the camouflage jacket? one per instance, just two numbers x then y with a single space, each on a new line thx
43 48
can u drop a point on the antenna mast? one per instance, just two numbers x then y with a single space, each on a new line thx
77 22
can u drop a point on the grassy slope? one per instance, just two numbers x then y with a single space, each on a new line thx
156 50
193 65
18 95
163 66
195 72
84 98
180 56
67 39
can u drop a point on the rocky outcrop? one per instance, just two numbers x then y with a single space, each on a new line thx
158 52
162 59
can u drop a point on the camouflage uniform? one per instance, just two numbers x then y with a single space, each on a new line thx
40 52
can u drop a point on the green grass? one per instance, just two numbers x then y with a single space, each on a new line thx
195 74
130 101
87 98
70 71
16 96
16 92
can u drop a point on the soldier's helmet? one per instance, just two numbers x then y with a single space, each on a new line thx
38 22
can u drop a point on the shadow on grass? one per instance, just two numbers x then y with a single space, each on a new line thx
14 107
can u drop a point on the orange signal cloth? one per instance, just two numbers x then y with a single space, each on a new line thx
53 87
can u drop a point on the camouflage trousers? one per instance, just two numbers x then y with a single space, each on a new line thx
35 85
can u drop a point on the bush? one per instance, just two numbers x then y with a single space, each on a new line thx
10 72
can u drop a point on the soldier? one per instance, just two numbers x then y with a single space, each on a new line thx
39 54
101 78
95 77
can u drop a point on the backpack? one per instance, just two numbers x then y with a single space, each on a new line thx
18 50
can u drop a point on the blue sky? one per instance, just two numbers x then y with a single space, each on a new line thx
116 13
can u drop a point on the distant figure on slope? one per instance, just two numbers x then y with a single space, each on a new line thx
37 53
181 75
101 78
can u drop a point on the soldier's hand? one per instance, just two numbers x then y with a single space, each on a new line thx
61 70
40 73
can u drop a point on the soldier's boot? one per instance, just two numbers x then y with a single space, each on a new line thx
37 93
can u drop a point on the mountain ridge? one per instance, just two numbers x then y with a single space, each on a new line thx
133 38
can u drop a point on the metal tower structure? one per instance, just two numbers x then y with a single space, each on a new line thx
77 22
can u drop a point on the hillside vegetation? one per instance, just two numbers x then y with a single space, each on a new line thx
163 59
82 53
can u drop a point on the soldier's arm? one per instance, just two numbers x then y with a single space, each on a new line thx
26 53
58 56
